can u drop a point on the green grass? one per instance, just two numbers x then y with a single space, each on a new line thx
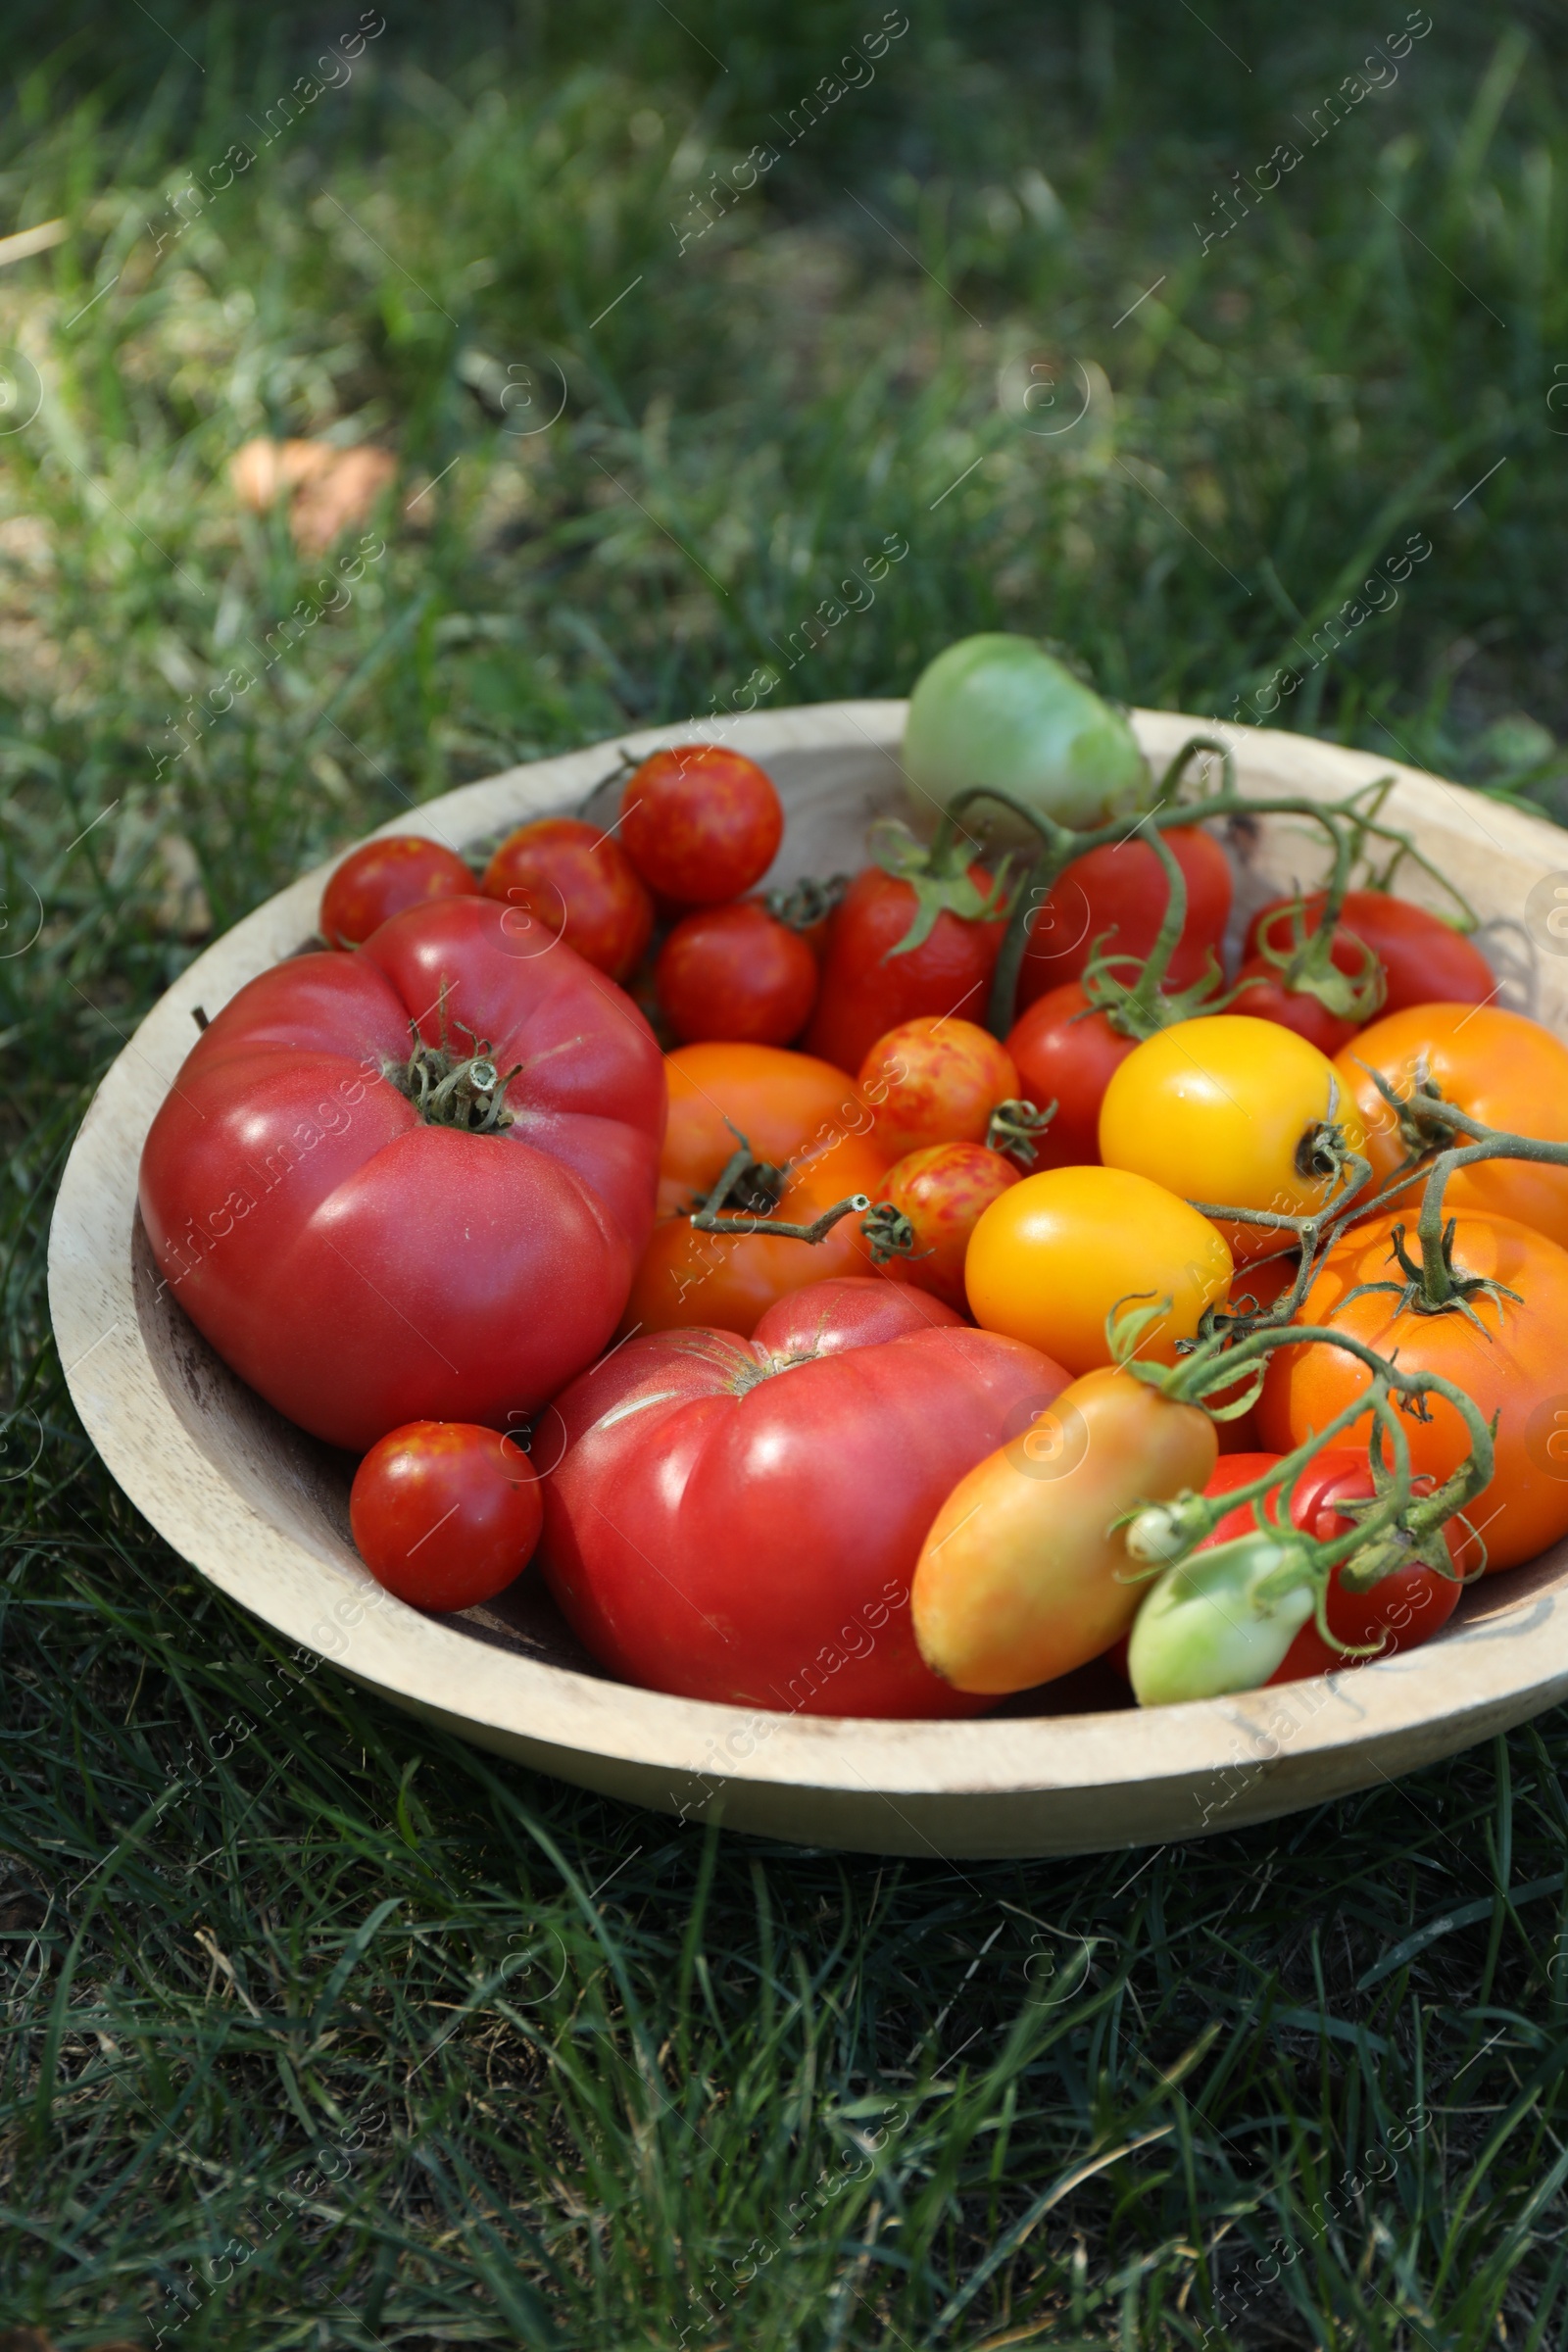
322 2030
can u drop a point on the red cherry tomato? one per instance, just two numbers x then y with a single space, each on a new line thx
740 1521
1401 1610
868 988
383 877
355 1256
735 974
1424 959
944 1191
1124 885
936 1081
1065 1053
569 880
445 1513
700 825
1262 992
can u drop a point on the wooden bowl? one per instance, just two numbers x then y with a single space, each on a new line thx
262 1509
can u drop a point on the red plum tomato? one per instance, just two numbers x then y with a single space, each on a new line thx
445 1513
737 974
381 878
364 1261
1261 993
739 1521
870 983
1123 888
562 879
1425 961
1067 1052
700 825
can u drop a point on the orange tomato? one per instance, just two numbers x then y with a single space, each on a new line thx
1513 1367
1499 1066
936 1081
944 1191
787 1105
723 1282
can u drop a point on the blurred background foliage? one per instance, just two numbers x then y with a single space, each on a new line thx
983 302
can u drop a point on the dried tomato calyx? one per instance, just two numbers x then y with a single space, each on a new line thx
451 1089
890 1234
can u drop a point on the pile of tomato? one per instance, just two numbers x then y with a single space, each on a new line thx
820 1333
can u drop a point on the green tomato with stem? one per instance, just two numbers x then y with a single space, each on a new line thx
1210 1624
999 710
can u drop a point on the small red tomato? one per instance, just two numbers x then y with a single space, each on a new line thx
1401 1611
1123 885
943 1190
1065 1053
569 880
383 877
1263 994
700 825
872 982
1424 959
445 1513
737 975
936 1081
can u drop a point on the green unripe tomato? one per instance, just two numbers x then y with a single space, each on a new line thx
1000 711
1205 1630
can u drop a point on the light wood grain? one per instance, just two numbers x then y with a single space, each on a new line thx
262 1511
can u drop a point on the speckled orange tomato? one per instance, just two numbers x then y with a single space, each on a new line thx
700 825
944 1191
936 1081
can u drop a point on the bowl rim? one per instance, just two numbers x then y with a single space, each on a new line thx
265 1550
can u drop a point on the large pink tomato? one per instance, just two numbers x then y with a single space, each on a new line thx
738 1520
370 1236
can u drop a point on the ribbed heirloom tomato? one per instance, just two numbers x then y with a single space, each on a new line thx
740 1521
371 1239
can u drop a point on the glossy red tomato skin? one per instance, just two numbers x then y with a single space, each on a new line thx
1124 884
361 1270
1401 1610
445 1514
700 825
566 879
1424 959
380 878
1065 1053
735 974
867 990
730 1523
1261 993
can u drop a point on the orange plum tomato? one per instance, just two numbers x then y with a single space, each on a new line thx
1511 1365
1059 1252
562 879
691 1279
936 1081
445 1513
1025 1573
735 973
786 1105
1501 1067
381 877
1400 1611
943 1190
738 1521
1236 1112
700 825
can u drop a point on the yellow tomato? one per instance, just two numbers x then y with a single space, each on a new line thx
1025 1572
1057 1253
1226 1108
